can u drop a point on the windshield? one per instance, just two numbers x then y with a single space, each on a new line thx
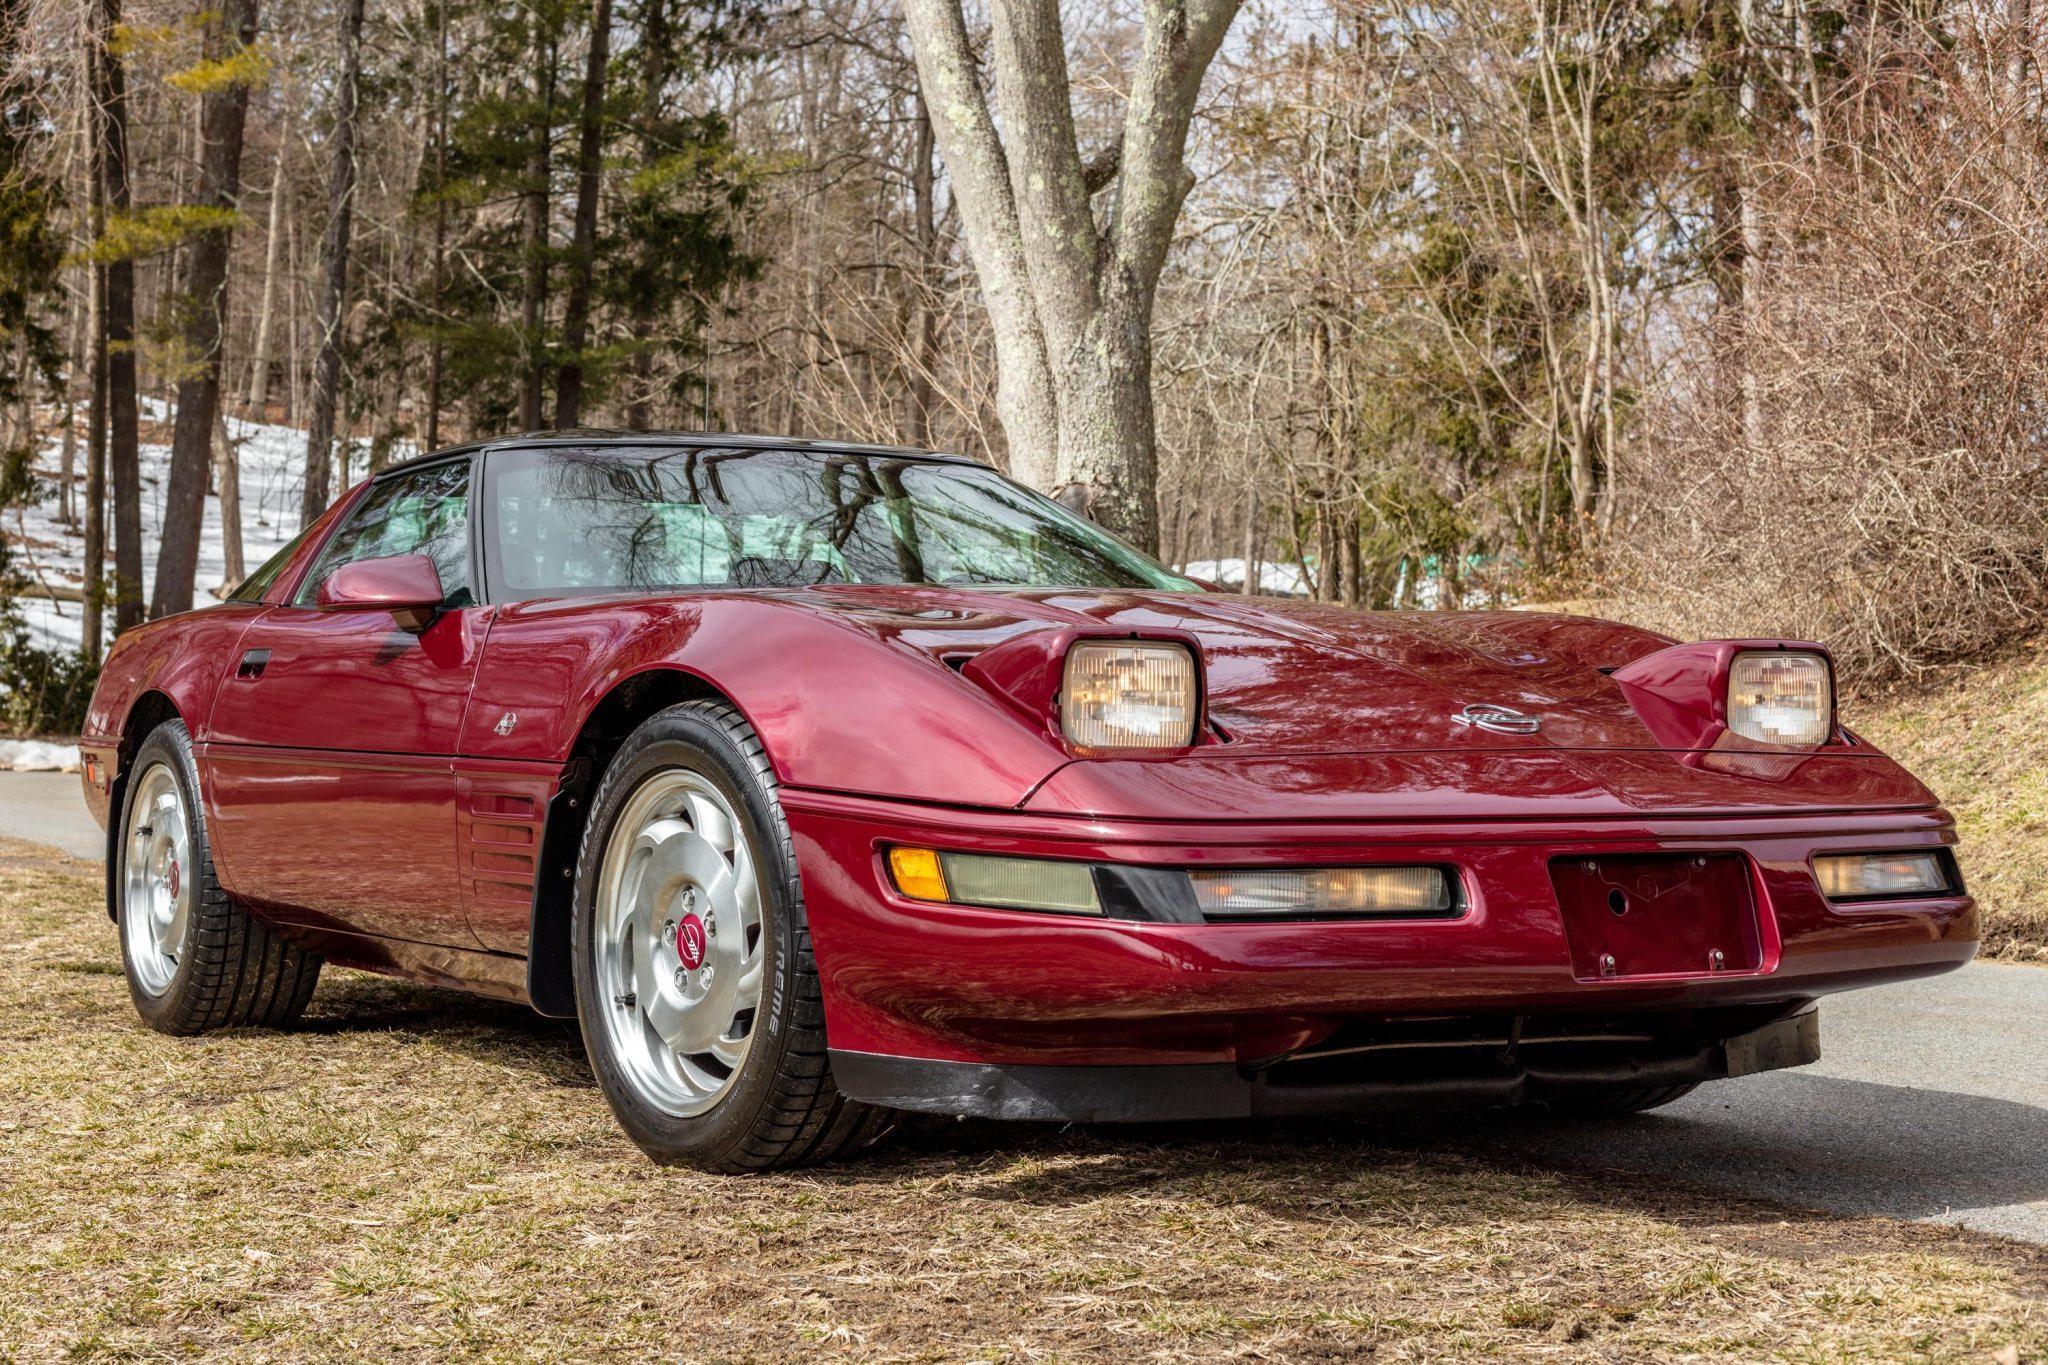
573 521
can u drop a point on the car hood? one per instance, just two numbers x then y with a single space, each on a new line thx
1286 676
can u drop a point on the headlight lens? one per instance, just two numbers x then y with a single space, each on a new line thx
1780 697
1128 694
1000 883
1324 891
1878 876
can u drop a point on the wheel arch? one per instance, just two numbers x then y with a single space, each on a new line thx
549 985
150 709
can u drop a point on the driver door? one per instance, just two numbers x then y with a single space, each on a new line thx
331 747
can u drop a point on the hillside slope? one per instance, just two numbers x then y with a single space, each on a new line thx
1978 734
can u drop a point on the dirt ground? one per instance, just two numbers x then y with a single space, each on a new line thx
417 1174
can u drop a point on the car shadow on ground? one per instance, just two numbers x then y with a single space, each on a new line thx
1856 1146
1797 1139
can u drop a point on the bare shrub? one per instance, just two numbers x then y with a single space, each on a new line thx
1859 456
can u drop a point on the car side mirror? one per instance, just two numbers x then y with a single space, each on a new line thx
407 586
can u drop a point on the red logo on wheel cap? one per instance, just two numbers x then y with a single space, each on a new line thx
690 941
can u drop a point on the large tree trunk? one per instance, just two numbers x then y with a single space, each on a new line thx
533 298
341 200
259 365
117 304
1070 301
226 109
976 160
583 238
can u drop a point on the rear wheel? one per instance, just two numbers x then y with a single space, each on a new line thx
695 984
1609 1101
194 959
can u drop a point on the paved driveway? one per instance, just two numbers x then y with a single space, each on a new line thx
48 808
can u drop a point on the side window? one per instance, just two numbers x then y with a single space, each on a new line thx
252 588
424 512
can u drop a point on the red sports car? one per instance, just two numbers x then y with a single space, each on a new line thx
820 781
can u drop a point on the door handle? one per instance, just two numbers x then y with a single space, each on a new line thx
253 663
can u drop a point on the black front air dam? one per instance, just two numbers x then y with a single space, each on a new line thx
1147 1094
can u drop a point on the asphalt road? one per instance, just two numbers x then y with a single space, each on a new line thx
1930 1102
49 809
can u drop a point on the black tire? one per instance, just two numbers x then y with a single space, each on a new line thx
232 969
781 1108
1612 1101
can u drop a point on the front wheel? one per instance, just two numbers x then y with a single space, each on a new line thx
695 984
195 960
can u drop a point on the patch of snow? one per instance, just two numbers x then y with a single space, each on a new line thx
51 554
1275 580
37 756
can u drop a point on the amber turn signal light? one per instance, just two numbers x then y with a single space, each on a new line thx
995 883
918 874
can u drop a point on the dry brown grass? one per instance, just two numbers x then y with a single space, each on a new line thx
1978 735
417 1174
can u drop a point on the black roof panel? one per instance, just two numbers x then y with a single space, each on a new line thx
603 436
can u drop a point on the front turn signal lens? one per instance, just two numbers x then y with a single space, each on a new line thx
1880 876
1781 697
997 883
1129 694
917 874
1324 891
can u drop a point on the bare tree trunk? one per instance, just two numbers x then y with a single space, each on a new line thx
294 351
432 435
654 41
226 109
96 452
533 299
385 439
117 311
1070 302
1251 584
1347 560
1752 230
341 201
259 367
80 349
924 320
583 237
227 477
980 171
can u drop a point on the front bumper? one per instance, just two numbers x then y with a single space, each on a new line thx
1404 1077
905 979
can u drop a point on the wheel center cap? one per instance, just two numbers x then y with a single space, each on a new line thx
690 941
173 879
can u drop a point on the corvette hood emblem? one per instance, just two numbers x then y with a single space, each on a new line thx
1501 720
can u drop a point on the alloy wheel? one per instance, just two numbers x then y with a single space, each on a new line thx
678 942
157 891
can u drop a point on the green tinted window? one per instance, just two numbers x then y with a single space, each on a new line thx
566 521
252 588
423 511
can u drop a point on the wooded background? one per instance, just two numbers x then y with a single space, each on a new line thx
1727 315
